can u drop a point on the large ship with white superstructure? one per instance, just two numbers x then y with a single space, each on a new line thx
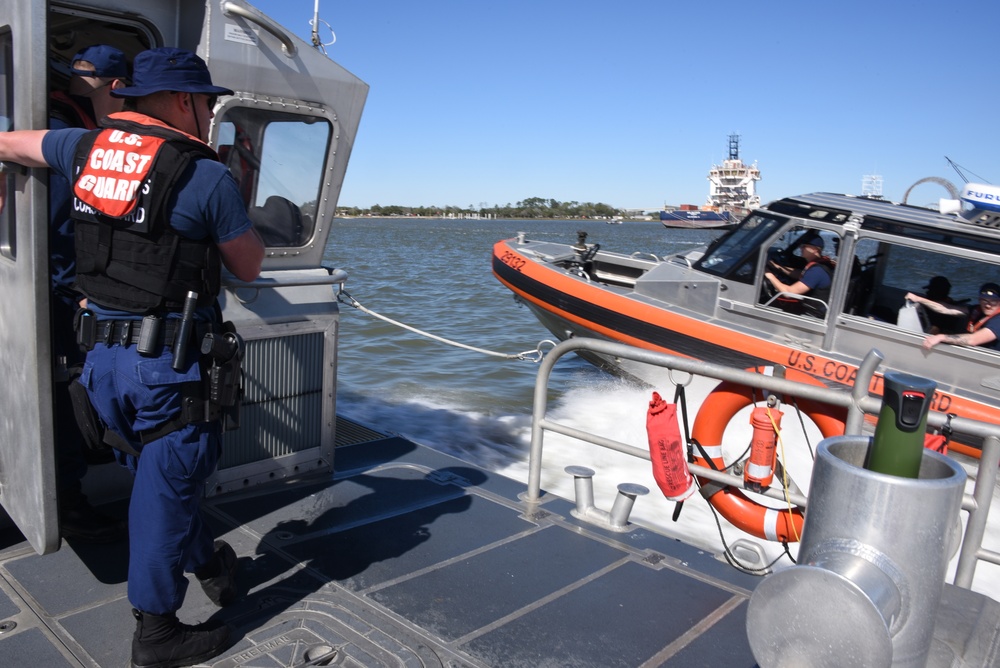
732 194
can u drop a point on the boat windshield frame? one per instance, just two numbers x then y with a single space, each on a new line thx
734 255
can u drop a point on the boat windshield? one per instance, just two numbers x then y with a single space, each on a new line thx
734 256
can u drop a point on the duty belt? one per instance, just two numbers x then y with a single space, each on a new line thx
153 333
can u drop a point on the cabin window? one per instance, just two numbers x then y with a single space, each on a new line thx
950 238
734 255
8 246
791 265
278 160
893 270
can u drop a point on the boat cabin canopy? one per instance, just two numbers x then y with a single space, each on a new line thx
881 250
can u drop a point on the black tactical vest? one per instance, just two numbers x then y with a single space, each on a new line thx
137 262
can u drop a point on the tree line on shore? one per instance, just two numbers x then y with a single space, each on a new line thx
532 207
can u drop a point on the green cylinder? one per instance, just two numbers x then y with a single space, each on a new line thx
898 445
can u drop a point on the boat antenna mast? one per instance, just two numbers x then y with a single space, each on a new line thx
316 20
965 179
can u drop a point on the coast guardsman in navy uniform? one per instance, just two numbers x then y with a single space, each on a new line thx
94 72
157 216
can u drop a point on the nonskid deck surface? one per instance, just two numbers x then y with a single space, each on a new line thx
405 557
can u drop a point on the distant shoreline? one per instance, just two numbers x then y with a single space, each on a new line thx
481 218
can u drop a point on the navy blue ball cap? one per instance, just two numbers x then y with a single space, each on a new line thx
989 291
811 238
108 62
167 68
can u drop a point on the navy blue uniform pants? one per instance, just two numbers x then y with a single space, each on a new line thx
167 534
71 465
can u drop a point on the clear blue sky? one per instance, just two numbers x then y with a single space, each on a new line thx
631 102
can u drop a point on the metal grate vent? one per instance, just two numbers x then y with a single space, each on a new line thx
283 400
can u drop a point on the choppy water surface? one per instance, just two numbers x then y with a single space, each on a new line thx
435 275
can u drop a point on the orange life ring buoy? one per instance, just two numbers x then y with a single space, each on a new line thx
724 402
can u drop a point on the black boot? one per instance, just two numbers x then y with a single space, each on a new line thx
218 578
161 641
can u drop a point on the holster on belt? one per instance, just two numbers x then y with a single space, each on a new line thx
223 354
218 395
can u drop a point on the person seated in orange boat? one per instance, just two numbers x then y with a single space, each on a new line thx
814 281
984 326
944 314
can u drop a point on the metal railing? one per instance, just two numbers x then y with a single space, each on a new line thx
857 402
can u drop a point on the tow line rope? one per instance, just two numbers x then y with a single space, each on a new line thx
535 355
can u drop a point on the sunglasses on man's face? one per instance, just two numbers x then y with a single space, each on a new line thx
209 99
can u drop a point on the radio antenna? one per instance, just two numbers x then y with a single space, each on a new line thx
965 179
316 20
